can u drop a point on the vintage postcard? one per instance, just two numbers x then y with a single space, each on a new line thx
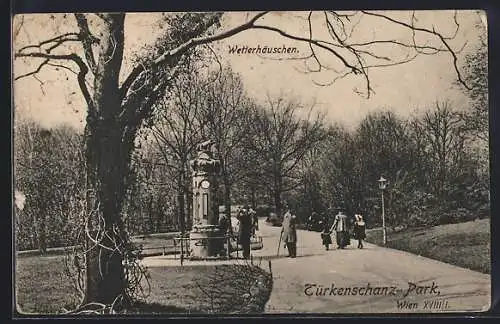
300 162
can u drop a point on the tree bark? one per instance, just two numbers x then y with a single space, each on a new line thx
181 192
42 233
227 197
253 195
108 163
105 273
277 195
215 200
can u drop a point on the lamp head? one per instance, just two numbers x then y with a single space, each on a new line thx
382 183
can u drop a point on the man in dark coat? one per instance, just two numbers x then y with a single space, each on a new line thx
245 230
288 232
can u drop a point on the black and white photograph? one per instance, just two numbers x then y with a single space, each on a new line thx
260 162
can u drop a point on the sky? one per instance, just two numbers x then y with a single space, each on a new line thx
402 88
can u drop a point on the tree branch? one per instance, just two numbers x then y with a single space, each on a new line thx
183 48
87 40
318 43
431 32
68 57
45 62
58 40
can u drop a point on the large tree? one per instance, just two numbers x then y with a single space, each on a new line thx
226 118
176 133
116 108
281 142
475 70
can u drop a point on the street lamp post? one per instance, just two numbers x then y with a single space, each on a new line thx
382 186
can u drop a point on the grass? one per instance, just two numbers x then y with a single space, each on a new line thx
43 288
41 285
466 245
218 289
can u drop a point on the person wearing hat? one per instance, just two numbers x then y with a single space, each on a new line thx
359 229
288 231
245 230
255 221
340 226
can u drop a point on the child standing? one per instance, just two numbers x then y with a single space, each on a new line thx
359 230
325 235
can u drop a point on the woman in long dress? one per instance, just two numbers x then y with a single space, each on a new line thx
359 230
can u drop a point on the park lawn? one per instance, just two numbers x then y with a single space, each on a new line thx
466 245
43 288
218 289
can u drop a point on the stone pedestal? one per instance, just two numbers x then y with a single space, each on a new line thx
203 246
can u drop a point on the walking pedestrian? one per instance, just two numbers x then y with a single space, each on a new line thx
325 235
359 230
255 221
288 231
340 226
245 230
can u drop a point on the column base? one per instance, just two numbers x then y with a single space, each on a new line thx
202 243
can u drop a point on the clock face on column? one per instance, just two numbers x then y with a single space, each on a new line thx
205 184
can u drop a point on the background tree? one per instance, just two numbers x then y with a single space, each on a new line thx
225 118
475 74
382 144
476 116
176 134
148 202
311 191
282 140
339 169
449 175
445 139
48 165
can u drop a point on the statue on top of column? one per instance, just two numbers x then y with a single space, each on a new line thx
206 146
205 161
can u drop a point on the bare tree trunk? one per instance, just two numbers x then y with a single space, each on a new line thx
189 208
105 273
42 232
227 197
277 194
150 214
108 154
181 191
253 196
215 200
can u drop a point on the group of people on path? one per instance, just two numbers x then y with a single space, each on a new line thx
248 225
341 227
